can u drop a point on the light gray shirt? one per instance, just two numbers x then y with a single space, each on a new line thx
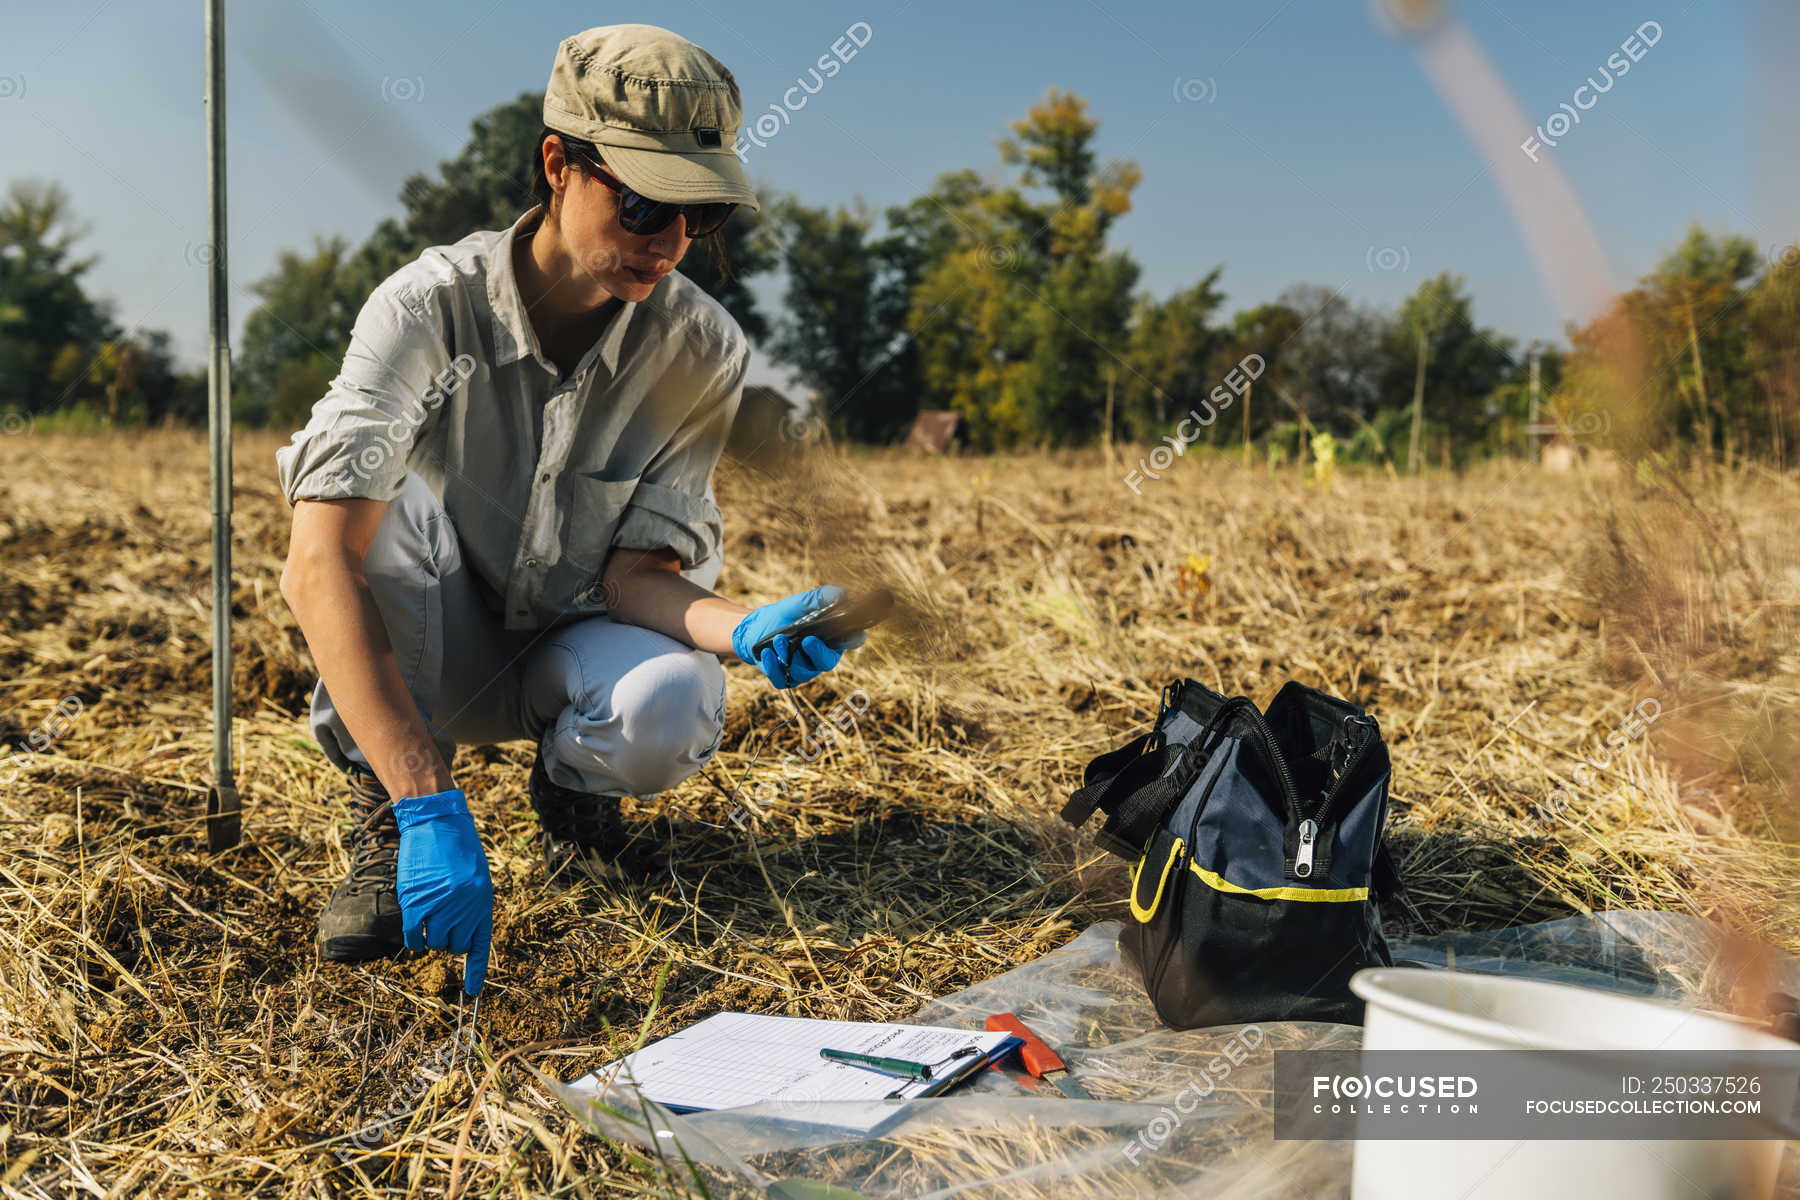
542 475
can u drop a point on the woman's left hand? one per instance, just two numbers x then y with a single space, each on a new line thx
784 663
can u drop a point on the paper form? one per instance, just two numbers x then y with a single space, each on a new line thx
732 1059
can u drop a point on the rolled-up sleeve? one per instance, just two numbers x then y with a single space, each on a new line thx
389 392
672 506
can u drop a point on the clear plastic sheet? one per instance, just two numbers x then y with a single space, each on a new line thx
1172 1114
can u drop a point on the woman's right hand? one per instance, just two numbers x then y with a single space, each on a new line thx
446 893
784 664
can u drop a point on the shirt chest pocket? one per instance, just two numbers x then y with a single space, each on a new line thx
596 506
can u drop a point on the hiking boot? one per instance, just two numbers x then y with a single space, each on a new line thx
361 921
587 822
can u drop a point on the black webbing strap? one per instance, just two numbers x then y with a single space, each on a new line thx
1133 821
1384 876
1104 771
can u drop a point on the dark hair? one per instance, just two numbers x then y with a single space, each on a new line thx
542 193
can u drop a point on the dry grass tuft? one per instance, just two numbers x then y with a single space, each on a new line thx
165 1028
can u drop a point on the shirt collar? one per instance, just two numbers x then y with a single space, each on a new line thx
514 337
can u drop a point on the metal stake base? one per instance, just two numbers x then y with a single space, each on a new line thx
223 817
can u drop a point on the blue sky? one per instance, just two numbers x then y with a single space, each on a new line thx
1294 142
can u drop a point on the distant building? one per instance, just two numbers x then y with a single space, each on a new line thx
936 432
759 429
1559 454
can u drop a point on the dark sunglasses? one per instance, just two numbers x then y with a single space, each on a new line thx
642 215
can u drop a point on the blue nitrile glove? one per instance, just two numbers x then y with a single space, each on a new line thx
446 895
787 665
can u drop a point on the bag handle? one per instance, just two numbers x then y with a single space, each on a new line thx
1104 772
1133 821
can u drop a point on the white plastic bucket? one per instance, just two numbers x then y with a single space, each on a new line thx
1413 1009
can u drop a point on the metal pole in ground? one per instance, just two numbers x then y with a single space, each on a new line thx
222 823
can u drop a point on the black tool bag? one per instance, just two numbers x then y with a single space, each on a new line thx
1258 848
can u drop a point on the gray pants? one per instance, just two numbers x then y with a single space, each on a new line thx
616 709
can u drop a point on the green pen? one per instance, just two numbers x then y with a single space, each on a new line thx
903 1068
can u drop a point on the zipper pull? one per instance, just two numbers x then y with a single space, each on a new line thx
1303 857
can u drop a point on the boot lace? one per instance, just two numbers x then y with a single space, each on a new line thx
374 833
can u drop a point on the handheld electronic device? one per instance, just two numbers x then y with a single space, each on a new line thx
838 620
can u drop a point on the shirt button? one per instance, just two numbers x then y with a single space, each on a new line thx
531 562
544 478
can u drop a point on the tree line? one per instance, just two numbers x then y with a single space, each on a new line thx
61 350
1005 302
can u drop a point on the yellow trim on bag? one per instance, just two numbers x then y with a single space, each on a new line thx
1221 884
1144 914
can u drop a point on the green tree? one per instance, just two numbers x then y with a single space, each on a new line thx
1023 310
295 339
1054 142
926 229
1692 311
967 314
1336 359
1772 354
130 380
1080 329
1083 309
1462 363
1167 364
845 330
1677 358
1265 331
166 393
49 327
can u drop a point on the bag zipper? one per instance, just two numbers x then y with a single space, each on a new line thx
1315 816
1288 791
1310 820
1304 854
1303 857
1355 761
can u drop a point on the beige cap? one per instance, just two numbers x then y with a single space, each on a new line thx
664 112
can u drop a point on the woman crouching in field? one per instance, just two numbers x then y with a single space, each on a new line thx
504 523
